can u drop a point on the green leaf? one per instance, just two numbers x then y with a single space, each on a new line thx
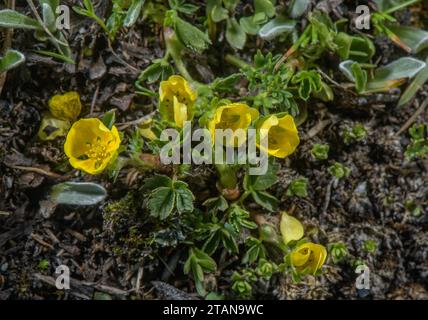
360 76
415 85
109 119
190 36
235 35
13 19
265 200
298 7
78 193
264 6
10 60
157 181
49 17
355 73
275 27
249 25
394 73
133 13
389 6
204 260
218 13
262 182
413 38
298 187
161 202
184 198
360 49
406 67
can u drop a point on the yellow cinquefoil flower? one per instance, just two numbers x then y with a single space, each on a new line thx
90 145
233 116
66 106
308 258
176 100
282 135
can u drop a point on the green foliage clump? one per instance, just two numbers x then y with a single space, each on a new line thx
418 147
339 171
298 188
320 151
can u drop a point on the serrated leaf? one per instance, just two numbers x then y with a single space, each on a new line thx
190 36
13 19
265 200
78 193
10 60
275 27
184 200
235 35
161 202
291 228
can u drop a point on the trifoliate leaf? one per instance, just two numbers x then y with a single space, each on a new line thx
161 202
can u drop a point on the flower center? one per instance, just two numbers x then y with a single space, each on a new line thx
98 152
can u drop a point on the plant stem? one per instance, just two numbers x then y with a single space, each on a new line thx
400 6
235 61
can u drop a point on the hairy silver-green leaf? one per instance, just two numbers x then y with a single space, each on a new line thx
78 193
49 17
13 19
133 13
414 38
276 27
298 7
415 85
11 59
406 67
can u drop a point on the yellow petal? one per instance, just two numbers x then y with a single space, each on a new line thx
90 145
291 228
66 106
51 128
180 113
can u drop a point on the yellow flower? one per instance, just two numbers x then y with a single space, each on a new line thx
282 135
291 228
90 145
308 258
233 116
146 129
176 100
66 106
